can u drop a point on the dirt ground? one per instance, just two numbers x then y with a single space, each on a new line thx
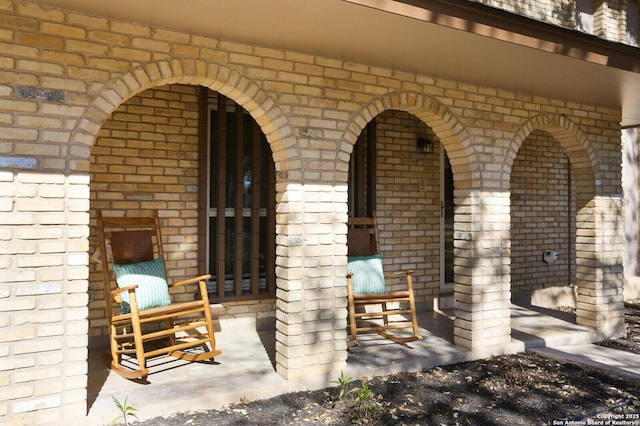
521 389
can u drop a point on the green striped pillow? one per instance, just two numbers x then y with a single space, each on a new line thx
368 276
152 291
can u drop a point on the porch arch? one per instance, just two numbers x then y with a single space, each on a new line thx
467 168
220 78
598 259
581 153
444 123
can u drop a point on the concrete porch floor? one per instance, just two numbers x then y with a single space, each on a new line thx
245 369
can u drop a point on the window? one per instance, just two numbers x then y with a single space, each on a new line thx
240 205
362 173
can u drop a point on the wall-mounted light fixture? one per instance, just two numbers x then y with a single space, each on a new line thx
424 145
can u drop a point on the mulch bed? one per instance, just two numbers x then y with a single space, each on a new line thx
521 389
632 321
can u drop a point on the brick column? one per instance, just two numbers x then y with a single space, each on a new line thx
311 336
43 297
630 190
482 269
600 275
606 19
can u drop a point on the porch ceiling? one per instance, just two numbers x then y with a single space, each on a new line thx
458 40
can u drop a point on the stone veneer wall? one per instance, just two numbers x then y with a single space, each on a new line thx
66 73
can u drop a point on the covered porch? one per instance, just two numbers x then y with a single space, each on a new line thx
245 370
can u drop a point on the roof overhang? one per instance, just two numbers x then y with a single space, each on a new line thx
458 40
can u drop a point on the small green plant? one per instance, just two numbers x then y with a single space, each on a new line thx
343 382
126 411
362 394
362 408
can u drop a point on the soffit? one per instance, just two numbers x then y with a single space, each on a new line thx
465 42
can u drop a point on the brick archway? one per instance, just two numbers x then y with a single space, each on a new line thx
598 256
467 171
219 78
575 143
445 124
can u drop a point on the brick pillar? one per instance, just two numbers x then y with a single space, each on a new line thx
311 324
43 296
600 275
630 190
606 19
482 269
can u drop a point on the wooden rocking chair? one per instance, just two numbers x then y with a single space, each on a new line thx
143 322
371 306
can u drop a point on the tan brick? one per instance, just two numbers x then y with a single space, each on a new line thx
18 22
62 83
39 67
39 122
16 392
23 106
22 333
81 46
34 375
66 31
186 50
41 40
95 22
37 345
38 317
86 73
67 58
43 403
151 44
37 204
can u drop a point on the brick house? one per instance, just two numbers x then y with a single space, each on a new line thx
258 127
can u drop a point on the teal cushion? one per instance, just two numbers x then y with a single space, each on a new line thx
152 291
368 276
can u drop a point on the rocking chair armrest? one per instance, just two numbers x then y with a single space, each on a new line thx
119 290
191 281
400 273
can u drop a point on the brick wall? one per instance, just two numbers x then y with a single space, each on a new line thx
145 158
542 215
409 225
65 77
123 181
